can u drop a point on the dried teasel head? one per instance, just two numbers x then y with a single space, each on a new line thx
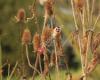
20 15
79 5
46 36
96 42
26 36
49 8
36 41
95 60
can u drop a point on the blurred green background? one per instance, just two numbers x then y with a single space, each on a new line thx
9 30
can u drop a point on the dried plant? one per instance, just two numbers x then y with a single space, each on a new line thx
26 36
20 15
85 36
36 42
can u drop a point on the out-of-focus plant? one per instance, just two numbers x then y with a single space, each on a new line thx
87 39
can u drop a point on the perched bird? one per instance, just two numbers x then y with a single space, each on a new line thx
56 32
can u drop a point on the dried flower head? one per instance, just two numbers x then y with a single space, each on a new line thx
96 42
36 41
46 36
26 36
92 65
20 15
79 5
49 8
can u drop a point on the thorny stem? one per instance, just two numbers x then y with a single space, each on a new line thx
57 66
10 76
83 20
8 70
74 14
29 63
36 64
88 10
91 14
98 17
35 15
80 47
40 64
21 47
87 50
79 40
45 20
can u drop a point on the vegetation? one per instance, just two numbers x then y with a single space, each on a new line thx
50 40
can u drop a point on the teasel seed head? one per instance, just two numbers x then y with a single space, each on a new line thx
21 15
49 8
36 41
92 65
96 42
26 36
79 5
46 34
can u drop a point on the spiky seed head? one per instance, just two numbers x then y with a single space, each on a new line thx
79 5
20 15
36 41
26 36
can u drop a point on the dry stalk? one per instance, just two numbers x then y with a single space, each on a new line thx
79 40
10 76
30 65
57 66
84 43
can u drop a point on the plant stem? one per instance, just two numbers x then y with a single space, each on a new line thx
10 76
74 15
36 64
57 66
29 63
